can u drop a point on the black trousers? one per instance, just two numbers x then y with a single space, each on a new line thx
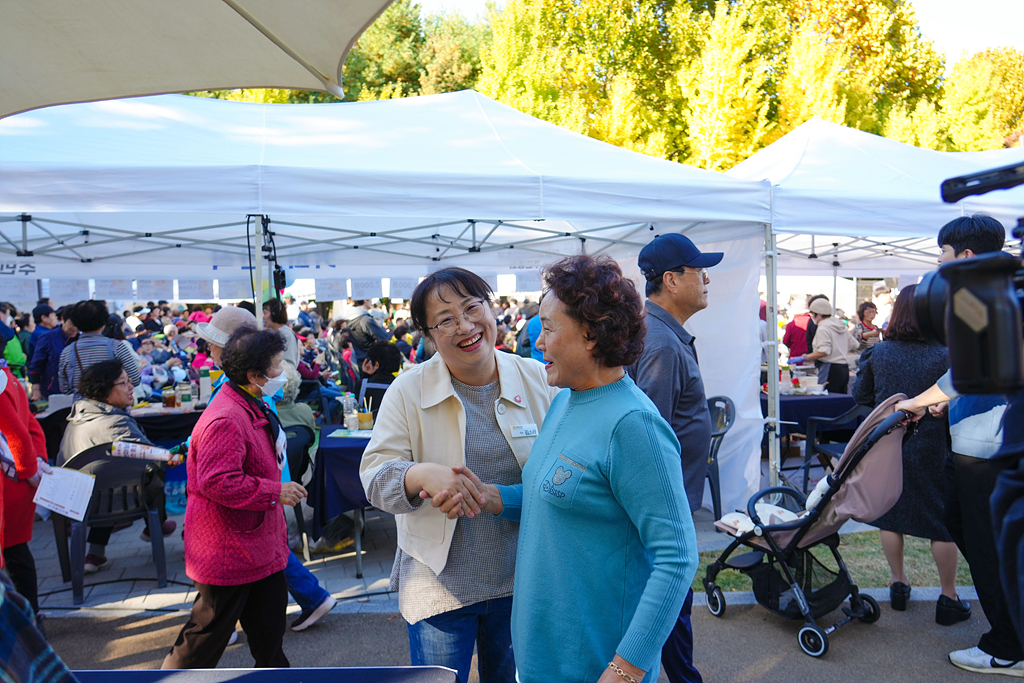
21 567
969 485
259 606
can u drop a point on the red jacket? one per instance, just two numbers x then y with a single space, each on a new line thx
25 437
236 531
796 335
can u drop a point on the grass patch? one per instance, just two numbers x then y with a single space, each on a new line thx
862 554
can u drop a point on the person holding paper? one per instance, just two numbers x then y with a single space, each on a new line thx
468 405
23 453
101 416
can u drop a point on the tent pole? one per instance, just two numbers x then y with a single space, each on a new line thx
772 348
257 272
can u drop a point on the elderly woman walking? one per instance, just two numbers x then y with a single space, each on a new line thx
607 548
467 405
236 541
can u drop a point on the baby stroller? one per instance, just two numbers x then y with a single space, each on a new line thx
787 577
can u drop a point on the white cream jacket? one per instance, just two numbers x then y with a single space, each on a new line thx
421 419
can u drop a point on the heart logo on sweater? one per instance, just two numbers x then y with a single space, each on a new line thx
561 474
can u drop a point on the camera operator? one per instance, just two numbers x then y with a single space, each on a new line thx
975 425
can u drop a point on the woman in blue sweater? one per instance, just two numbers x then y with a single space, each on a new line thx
606 542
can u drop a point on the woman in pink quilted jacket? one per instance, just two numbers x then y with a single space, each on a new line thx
236 540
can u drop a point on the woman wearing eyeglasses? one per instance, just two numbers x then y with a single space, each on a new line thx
467 406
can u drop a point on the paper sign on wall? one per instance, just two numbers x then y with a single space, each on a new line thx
68 291
331 290
402 287
19 291
195 289
115 289
366 288
234 289
154 290
528 281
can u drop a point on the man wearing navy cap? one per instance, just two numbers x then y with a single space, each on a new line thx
677 287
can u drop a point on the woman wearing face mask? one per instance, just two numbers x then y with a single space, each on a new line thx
236 544
310 596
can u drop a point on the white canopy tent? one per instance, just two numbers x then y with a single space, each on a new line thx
849 203
53 52
868 203
162 186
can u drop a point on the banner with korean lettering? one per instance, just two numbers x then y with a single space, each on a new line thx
234 289
154 290
68 291
331 290
366 288
402 287
116 290
195 289
17 269
528 281
19 291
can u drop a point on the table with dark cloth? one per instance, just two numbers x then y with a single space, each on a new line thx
335 487
797 408
166 428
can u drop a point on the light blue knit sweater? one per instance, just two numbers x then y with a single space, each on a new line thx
607 548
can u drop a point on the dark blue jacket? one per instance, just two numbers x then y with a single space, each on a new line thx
45 363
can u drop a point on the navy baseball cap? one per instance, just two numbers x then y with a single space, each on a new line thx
672 251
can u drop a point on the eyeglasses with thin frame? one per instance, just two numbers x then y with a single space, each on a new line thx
126 382
473 313
703 272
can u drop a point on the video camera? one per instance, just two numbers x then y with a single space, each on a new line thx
974 306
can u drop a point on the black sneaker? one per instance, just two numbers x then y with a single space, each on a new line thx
949 612
311 616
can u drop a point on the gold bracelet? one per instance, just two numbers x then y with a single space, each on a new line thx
622 674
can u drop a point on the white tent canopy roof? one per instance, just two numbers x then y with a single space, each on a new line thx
55 51
841 184
402 180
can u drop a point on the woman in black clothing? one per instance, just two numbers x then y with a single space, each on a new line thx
904 363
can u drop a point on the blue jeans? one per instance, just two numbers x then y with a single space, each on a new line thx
302 585
447 640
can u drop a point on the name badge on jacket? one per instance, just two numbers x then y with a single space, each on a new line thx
524 430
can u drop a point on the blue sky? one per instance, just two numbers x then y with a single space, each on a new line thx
954 26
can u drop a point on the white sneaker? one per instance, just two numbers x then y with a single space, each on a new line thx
977 660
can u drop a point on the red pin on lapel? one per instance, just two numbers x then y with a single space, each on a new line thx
517 399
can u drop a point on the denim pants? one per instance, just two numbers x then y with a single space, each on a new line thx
302 585
447 640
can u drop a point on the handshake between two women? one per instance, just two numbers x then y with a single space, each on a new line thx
456 491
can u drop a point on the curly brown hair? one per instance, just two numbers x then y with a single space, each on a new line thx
599 297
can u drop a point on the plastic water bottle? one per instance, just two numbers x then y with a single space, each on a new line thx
351 414
174 493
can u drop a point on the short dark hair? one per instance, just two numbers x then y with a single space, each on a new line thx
863 307
41 311
98 380
247 305
90 315
654 287
278 313
401 329
248 349
902 321
598 296
459 281
115 327
386 355
979 233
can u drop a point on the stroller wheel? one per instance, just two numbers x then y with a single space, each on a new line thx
871 610
813 641
716 601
